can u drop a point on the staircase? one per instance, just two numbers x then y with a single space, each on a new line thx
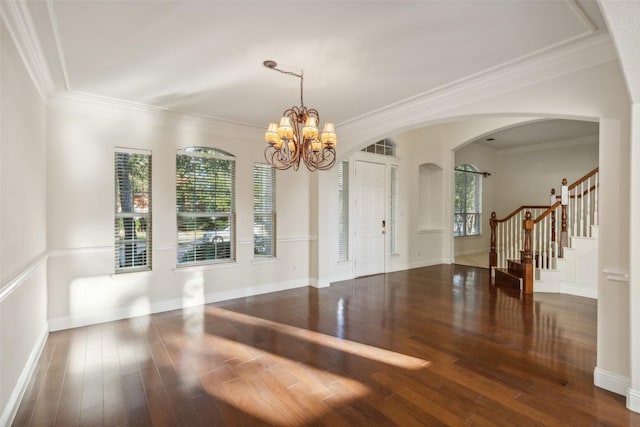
577 272
533 251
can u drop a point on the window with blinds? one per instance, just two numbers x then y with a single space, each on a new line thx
205 204
343 211
264 210
132 210
393 214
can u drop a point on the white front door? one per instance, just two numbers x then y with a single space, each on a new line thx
370 218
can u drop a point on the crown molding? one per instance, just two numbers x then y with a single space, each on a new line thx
86 103
576 55
17 18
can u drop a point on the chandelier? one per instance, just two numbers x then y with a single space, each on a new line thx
296 137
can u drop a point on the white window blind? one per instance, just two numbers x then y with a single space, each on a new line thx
343 211
393 214
132 210
205 204
264 210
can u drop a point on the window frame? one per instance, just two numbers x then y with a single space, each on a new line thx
269 214
136 214
469 172
394 198
343 211
384 147
196 214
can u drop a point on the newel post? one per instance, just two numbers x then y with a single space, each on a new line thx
493 255
564 236
527 257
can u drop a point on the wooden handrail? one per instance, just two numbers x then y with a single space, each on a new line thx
579 196
515 212
546 213
584 178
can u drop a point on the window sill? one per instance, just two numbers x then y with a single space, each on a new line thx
204 267
264 260
126 274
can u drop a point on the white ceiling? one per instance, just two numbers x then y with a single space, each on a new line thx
540 132
205 57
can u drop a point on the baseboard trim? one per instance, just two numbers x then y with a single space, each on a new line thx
579 292
416 264
13 403
62 323
471 252
611 381
319 283
633 400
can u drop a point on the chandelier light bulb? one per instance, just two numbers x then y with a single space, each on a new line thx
271 135
310 129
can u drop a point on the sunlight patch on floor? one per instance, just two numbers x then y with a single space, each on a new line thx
363 350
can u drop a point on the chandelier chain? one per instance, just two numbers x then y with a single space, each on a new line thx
290 73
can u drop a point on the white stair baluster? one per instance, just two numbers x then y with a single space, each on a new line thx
504 244
520 232
541 251
511 242
556 247
582 231
588 230
502 254
595 201
543 243
547 240
575 213
569 219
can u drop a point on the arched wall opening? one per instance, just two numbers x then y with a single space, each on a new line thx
435 143
429 127
523 164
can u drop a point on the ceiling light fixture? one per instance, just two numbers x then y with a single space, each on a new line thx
296 137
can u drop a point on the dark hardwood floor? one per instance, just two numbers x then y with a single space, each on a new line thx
429 346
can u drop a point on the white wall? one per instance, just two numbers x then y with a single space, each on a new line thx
529 173
23 243
83 288
623 20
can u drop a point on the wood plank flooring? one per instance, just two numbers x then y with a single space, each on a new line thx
429 346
